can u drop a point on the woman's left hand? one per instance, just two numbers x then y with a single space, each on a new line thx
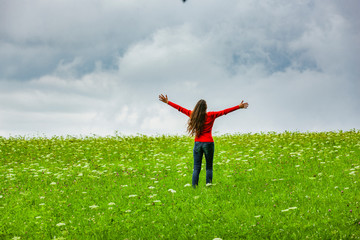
243 105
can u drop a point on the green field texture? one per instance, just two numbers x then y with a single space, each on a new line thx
290 185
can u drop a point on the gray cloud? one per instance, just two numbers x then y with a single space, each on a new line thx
98 66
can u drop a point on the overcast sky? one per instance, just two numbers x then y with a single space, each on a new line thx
97 66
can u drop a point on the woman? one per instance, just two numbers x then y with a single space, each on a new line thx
200 125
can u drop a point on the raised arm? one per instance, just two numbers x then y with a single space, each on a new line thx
165 99
229 110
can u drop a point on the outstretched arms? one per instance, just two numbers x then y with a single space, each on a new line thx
164 99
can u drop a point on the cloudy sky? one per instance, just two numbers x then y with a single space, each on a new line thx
97 66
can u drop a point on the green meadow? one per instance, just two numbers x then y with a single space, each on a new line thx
288 185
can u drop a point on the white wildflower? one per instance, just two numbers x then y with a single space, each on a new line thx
156 201
297 165
16 238
187 185
171 190
128 211
258 216
60 224
1 196
290 208
38 217
58 238
124 185
132 195
53 183
93 206
151 187
111 203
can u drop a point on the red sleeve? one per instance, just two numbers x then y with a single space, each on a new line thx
225 111
180 109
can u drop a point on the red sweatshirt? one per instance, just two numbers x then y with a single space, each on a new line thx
205 135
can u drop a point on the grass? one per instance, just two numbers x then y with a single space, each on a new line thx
287 185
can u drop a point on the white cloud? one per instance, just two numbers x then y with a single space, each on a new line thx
100 69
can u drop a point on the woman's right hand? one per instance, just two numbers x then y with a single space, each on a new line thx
164 98
243 105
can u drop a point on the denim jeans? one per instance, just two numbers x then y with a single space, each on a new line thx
201 148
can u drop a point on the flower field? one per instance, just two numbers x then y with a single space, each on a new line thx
287 185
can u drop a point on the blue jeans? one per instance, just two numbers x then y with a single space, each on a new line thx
201 148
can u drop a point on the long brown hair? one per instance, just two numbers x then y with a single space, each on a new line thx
197 119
